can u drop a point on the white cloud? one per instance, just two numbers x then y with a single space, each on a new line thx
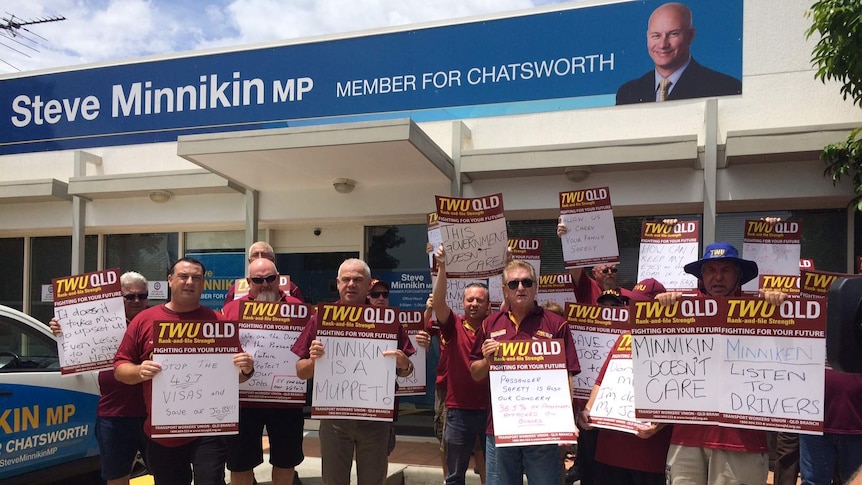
107 30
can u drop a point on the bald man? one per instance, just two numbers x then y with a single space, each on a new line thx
676 75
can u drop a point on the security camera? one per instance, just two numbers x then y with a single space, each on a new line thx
317 231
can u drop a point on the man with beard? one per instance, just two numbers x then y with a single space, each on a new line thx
284 422
262 249
467 401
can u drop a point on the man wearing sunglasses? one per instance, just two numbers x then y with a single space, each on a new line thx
466 401
342 439
258 250
283 422
588 290
121 412
524 320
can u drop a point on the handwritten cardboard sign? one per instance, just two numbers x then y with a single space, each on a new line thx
677 361
614 406
267 331
530 398
197 391
414 384
435 239
665 250
592 237
594 330
89 308
353 380
556 287
773 364
473 233
739 362
774 247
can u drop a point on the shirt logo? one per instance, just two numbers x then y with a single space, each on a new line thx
498 333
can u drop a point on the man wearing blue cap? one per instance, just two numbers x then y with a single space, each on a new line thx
712 454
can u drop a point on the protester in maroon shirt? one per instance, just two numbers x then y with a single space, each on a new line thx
467 401
284 422
170 460
524 320
702 454
643 462
341 439
261 249
121 412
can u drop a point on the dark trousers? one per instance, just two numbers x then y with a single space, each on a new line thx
204 459
586 457
786 459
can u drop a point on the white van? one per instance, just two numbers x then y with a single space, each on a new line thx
47 421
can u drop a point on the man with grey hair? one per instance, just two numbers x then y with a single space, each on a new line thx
340 439
676 74
121 411
262 249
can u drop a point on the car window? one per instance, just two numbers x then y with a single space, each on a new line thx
24 349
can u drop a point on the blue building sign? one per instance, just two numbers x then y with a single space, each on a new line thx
557 60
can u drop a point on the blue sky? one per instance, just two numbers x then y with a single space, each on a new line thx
106 30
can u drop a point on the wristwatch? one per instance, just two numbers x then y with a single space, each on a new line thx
249 374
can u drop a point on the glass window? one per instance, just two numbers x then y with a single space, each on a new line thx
314 273
12 276
52 258
148 254
824 234
24 349
396 247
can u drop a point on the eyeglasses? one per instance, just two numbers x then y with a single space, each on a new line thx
136 296
260 280
379 294
513 285
609 270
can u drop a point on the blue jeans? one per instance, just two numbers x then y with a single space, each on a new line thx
463 428
541 462
491 475
821 456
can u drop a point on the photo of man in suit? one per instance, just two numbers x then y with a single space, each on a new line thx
676 75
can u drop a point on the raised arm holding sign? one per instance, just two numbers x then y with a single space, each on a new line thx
591 237
473 232
89 308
